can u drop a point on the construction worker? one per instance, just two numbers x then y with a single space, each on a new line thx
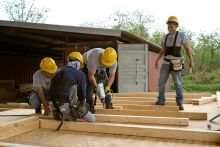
96 60
68 91
41 85
173 63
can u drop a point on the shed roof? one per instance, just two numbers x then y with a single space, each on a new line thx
19 37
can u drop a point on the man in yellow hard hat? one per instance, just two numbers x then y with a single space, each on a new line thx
68 91
41 85
172 61
96 61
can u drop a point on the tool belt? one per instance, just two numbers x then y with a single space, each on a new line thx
176 64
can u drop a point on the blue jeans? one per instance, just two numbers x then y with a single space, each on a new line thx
34 100
177 78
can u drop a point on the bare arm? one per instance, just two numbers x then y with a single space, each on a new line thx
92 78
189 54
40 94
111 79
161 54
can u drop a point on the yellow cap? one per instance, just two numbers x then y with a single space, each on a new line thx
109 57
77 56
48 64
172 19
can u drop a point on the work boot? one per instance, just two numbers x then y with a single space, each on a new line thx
108 106
38 111
180 107
92 109
157 103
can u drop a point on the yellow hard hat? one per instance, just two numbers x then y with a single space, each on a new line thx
76 55
172 19
48 64
109 57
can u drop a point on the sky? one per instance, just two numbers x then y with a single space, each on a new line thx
195 15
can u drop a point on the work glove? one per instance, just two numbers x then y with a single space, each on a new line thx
107 90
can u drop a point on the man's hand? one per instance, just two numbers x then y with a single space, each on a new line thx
46 110
156 65
191 66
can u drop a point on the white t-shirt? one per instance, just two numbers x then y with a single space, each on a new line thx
41 81
92 59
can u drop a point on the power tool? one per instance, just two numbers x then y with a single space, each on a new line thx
105 98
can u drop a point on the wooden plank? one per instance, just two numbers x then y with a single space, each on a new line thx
190 115
135 130
186 101
125 102
204 100
9 129
9 144
152 95
144 94
142 119
18 112
136 119
150 107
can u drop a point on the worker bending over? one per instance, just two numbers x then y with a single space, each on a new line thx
173 62
96 61
41 85
68 91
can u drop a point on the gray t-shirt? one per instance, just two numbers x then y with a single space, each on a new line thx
41 81
92 59
181 39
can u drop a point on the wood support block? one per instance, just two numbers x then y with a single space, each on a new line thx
17 127
190 115
135 130
204 100
142 119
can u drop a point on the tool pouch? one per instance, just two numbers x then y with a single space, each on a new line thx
176 65
81 109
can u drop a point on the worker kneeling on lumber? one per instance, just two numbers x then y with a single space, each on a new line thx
96 62
68 91
41 85
173 62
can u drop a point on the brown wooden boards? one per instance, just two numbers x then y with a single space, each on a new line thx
135 130
18 112
9 129
142 119
8 144
190 115
150 107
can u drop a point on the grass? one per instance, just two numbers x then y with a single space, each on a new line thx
207 82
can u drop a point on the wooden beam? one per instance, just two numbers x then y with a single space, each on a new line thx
9 144
18 112
204 100
142 119
155 95
125 102
218 98
135 130
190 115
186 101
150 107
137 119
17 127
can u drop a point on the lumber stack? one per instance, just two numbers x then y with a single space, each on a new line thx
7 89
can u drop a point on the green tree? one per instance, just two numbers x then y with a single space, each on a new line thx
24 11
136 22
156 37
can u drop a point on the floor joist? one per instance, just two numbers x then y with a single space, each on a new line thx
150 107
134 130
190 115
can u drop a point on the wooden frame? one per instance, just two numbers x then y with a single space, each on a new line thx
204 100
